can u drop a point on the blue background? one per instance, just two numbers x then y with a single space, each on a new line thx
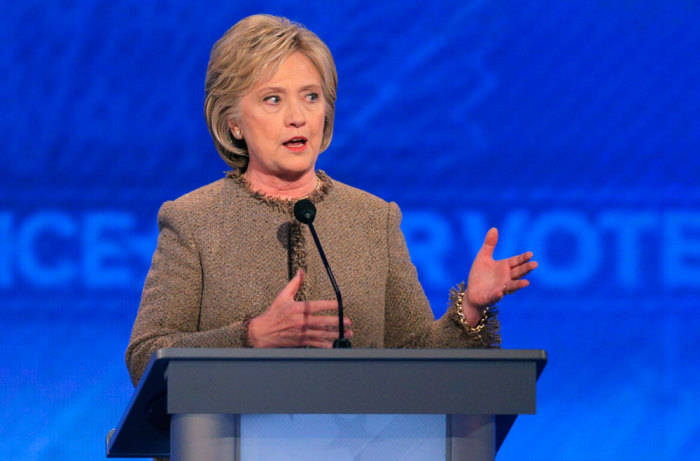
572 126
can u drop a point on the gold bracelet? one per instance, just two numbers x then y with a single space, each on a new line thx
460 312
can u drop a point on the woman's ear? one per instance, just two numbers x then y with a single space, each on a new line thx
235 129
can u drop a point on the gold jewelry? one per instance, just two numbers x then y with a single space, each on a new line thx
316 189
460 313
237 133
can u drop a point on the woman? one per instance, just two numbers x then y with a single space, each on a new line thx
233 268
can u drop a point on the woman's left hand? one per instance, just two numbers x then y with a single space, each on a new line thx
490 280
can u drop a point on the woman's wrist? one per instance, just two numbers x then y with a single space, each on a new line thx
469 315
248 336
480 324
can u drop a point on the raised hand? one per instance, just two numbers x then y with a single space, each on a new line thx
490 280
290 323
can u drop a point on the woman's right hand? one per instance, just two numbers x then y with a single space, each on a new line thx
290 323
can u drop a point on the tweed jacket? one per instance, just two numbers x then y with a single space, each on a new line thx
225 252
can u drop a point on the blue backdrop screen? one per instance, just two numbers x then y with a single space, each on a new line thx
571 126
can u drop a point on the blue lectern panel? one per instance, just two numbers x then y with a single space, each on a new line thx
343 437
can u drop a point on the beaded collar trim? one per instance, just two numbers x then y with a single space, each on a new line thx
325 184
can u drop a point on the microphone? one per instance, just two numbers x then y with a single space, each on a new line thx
305 212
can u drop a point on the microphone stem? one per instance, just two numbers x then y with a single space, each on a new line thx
341 327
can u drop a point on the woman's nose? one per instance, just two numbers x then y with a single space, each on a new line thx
295 114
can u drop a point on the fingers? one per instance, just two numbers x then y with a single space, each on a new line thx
520 266
309 307
314 307
290 290
326 323
511 287
325 335
319 344
323 339
517 260
322 330
490 242
290 323
522 270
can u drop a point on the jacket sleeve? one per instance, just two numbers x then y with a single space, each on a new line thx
168 315
409 320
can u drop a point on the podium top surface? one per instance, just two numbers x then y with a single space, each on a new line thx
163 357
348 354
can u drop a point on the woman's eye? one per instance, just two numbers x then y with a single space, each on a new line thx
272 99
312 97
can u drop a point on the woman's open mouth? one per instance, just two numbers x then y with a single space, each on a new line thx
296 144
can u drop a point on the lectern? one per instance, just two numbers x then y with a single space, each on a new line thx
189 402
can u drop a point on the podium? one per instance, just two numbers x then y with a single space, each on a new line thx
189 402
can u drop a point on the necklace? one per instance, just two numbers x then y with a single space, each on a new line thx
316 189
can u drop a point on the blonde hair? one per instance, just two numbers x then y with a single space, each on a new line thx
248 52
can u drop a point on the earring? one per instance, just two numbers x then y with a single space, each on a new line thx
237 133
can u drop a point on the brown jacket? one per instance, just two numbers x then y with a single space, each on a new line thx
224 253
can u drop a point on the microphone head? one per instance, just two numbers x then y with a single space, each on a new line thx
305 211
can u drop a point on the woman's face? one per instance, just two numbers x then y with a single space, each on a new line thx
282 120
